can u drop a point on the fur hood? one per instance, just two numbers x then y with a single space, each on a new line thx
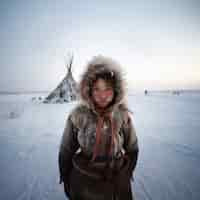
97 66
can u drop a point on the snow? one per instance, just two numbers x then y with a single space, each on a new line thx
168 132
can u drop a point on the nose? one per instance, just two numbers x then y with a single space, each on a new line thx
103 95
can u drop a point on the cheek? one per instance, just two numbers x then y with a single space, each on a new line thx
106 94
95 96
109 94
109 97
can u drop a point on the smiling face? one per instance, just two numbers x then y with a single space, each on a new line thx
102 93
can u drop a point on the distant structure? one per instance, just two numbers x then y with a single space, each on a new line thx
145 92
176 92
67 90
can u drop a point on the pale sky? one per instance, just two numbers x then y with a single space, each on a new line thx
156 42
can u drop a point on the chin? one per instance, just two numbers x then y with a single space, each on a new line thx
103 106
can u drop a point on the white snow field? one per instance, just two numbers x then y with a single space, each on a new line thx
168 129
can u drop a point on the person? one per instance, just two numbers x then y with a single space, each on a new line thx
98 152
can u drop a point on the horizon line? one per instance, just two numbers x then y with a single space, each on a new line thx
148 90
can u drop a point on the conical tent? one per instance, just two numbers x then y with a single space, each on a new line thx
66 91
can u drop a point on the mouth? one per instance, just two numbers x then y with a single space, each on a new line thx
103 102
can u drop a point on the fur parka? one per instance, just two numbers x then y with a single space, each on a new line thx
79 138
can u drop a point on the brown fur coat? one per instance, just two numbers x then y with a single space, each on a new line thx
80 135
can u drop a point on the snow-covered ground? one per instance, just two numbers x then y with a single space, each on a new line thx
168 129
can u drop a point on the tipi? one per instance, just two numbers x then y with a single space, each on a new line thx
67 90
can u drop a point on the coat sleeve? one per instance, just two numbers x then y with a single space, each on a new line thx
130 143
68 146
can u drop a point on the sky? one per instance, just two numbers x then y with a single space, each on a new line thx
156 42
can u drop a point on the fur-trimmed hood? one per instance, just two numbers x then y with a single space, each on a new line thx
97 66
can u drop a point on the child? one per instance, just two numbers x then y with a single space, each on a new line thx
99 148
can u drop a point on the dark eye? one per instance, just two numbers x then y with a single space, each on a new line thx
96 89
